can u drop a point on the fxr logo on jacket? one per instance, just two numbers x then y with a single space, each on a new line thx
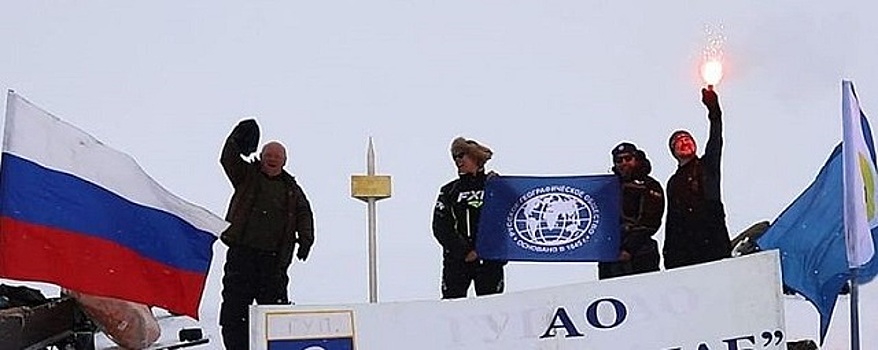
473 198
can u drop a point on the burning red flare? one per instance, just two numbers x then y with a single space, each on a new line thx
712 72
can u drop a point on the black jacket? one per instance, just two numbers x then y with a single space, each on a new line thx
456 215
299 227
695 229
643 205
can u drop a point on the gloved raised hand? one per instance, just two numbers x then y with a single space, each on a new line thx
246 136
710 100
302 252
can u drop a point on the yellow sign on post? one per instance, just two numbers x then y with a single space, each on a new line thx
364 187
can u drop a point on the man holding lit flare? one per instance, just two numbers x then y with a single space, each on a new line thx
695 227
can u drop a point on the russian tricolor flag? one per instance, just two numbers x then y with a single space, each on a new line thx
84 216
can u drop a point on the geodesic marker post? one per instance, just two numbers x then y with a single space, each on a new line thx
370 188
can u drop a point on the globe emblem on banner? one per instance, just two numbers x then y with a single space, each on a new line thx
554 219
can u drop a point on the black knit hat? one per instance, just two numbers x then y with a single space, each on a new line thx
623 148
641 168
674 137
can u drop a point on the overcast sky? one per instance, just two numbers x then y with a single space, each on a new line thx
550 86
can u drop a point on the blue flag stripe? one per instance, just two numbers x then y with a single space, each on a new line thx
35 194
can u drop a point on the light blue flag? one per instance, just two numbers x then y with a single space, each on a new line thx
811 237
860 214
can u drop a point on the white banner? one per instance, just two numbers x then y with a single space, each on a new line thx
734 304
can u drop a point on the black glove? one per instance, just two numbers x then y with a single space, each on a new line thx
302 252
710 100
246 136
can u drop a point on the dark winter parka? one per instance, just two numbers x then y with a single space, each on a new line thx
695 229
456 215
299 227
643 205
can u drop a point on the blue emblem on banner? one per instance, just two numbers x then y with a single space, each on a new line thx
560 217
572 218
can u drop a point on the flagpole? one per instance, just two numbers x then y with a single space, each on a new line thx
373 235
855 311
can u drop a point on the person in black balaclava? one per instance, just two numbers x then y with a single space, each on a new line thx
455 225
643 205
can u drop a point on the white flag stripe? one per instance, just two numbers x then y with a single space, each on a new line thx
40 137
858 165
